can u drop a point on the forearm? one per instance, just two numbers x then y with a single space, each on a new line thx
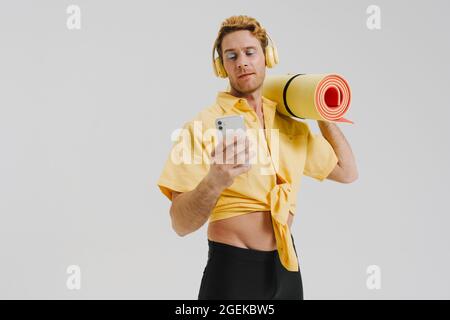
190 210
340 145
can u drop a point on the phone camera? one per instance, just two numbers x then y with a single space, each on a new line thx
220 127
219 122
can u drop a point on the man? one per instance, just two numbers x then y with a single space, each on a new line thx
251 250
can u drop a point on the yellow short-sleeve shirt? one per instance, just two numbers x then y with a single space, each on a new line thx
286 150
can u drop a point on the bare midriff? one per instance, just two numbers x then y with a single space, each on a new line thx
253 230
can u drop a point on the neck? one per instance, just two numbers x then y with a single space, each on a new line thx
254 98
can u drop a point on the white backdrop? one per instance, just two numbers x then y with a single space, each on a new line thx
85 123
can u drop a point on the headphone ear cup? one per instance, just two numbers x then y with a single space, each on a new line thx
215 68
275 55
269 57
219 69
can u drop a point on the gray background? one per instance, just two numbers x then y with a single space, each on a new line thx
86 118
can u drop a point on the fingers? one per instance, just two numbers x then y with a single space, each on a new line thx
244 156
224 143
235 151
231 140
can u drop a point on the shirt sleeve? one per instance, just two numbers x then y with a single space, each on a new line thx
187 163
320 158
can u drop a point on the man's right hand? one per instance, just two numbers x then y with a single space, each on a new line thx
230 158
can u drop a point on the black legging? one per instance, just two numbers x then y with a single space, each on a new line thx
240 273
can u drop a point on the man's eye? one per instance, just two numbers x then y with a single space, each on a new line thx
231 56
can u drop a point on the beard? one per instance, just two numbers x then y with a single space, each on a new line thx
248 87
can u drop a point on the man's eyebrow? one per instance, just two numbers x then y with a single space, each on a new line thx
251 47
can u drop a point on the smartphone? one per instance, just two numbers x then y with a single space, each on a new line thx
231 125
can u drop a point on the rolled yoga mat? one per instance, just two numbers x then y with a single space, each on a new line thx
309 96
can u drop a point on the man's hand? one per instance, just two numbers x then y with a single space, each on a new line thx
228 160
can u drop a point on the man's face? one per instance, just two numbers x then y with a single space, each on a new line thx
242 54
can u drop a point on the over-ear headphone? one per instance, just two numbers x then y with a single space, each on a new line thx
271 54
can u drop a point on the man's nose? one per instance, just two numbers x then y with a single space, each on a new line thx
242 61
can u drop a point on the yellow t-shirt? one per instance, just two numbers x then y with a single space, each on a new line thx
286 150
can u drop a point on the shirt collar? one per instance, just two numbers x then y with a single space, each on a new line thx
227 101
